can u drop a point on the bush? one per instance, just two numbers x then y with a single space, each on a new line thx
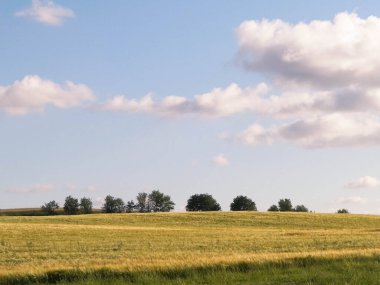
202 202
242 203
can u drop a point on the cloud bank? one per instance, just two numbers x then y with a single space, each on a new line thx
33 94
219 102
323 89
46 12
334 53
364 182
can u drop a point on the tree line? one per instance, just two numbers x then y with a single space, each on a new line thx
157 201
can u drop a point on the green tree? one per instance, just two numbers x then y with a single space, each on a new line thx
159 202
50 208
243 203
300 208
85 205
202 202
285 205
142 204
113 205
130 206
342 211
273 208
71 206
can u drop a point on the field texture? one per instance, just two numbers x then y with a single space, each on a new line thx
122 245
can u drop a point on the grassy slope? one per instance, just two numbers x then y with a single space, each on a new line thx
32 246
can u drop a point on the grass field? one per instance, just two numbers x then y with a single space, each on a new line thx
191 248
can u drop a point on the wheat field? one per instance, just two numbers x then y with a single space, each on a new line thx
34 246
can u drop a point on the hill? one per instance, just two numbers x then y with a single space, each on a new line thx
190 246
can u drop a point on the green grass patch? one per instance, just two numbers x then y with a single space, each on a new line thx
350 270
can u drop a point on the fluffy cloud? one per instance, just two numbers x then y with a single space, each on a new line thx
326 76
364 182
46 12
220 160
340 52
33 94
323 90
219 102
352 200
333 130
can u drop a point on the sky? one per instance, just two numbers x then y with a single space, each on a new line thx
267 99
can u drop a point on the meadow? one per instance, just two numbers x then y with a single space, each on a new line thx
191 248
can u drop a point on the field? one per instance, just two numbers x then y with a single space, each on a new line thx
191 248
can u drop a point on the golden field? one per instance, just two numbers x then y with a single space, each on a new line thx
133 242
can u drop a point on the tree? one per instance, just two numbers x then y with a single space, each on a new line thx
342 211
50 207
202 202
71 206
273 208
243 203
142 204
130 206
159 202
300 208
85 205
285 205
113 205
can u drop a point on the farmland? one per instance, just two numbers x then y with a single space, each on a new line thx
181 248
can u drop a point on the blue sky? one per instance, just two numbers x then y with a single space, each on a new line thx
186 98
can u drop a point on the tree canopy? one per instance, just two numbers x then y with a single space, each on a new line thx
300 208
243 203
155 201
113 205
50 208
159 202
342 211
71 206
285 205
202 202
273 208
85 205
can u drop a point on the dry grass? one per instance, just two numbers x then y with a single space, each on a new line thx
34 245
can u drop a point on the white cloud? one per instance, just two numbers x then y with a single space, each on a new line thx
340 52
220 160
46 12
352 200
219 102
364 182
120 103
333 130
325 90
33 94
